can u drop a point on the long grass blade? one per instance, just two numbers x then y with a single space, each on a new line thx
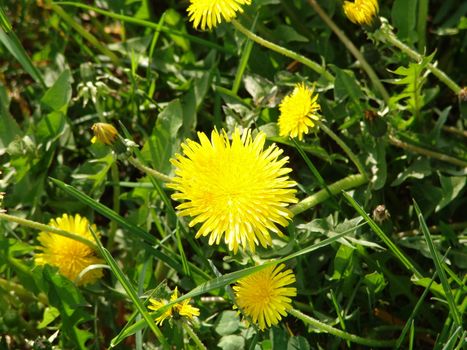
390 244
130 291
439 268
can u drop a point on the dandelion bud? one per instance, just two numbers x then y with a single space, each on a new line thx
104 133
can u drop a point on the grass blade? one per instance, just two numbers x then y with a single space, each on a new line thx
390 244
130 291
243 60
439 268
147 24
9 39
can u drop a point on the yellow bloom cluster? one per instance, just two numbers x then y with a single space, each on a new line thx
209 13
265 296
361 11
236 190
183 309
71 257
298 112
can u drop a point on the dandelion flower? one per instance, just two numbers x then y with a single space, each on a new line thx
183 309
70 256
104 133
264 296
298 112
210 12
361 11
233 188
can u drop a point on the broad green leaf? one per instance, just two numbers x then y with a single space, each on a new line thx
298 343
59 95
418 170
451 187
227 323
232 342
404 17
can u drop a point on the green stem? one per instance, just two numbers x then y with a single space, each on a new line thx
344 147
46 228
116 201
352 48
421 24
344 184
386 35
137 164
283 51
341 334
193 336
22 292
432 154
147 24
85 34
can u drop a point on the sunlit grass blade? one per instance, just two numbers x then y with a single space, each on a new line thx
439 268
410 320
85 34
147 24
390 244
103 210
451 343
243 60
313 169
9 39
130 291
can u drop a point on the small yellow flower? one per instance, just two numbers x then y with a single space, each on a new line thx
298 112
264 297
210 12
361 11
183 309
70 256
104 133
233 188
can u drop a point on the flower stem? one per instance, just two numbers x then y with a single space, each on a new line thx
22 292
432 154
46 228
193 336
344 147
341 334
352 48
386 35
283 51
344 184
137 164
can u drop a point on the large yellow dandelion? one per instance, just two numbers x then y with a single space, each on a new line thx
70 256
209 13
264 296
234 189
183 309
361 11
298 112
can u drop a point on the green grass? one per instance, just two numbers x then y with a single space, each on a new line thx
392 133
